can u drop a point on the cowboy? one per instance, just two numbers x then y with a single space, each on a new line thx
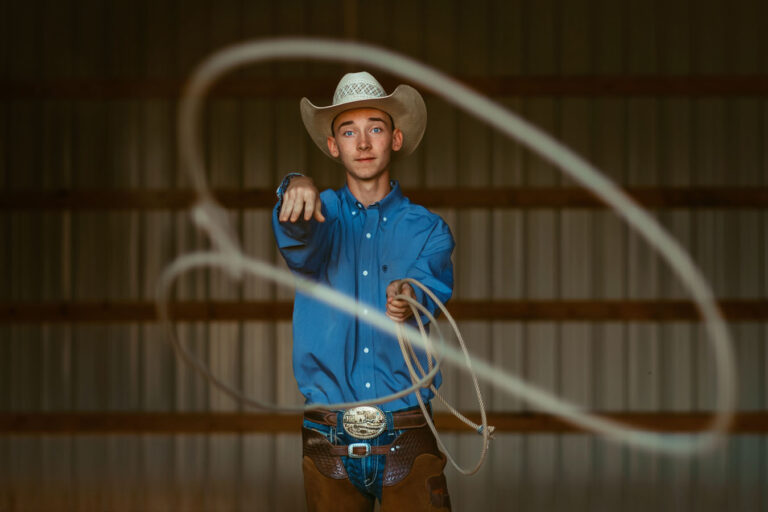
362 240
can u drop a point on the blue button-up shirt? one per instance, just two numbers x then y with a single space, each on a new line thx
359 250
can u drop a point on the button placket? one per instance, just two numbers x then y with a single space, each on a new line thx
368 288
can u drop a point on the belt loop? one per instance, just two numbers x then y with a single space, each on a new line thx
390 421
340 421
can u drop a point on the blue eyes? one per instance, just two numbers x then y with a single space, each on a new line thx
350 133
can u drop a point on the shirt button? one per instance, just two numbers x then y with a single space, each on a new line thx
384 219
354 213
367 235
366 350
365 272
367 384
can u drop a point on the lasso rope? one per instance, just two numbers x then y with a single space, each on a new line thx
211 218
409 355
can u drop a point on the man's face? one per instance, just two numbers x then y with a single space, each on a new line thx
363 140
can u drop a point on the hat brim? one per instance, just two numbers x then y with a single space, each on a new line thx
405 105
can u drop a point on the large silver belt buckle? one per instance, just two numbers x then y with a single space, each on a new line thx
364 422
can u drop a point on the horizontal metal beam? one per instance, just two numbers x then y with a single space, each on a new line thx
135 423
738 310
446 197
98 88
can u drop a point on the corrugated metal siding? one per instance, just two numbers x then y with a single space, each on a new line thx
542 254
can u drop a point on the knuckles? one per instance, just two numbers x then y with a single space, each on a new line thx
306 193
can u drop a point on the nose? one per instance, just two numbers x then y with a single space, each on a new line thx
363 143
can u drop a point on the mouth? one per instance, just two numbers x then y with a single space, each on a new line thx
367 159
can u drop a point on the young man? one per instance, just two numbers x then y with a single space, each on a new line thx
361 240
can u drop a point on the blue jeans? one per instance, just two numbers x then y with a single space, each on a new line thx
365 473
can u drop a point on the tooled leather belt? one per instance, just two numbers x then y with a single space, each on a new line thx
402 420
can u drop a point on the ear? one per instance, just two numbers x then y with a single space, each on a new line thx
397 139
333 147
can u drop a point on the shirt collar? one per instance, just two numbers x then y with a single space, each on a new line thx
387 205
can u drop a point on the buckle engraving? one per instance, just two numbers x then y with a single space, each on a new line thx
364 422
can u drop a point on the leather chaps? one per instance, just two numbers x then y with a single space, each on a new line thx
413 475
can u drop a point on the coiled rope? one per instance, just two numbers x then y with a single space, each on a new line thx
409 355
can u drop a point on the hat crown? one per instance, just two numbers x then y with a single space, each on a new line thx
356 87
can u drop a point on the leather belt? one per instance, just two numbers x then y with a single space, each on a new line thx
360 450
402 420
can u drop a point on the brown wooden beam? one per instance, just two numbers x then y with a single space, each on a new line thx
456 197
96 88
136 311
602 310
737 310
140 423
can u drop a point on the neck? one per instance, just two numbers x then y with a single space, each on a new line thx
369 191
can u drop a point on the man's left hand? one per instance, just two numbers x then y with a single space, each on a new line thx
399 310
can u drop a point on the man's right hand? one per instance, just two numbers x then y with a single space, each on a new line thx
301 196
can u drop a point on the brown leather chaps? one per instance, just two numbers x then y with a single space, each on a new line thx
413 475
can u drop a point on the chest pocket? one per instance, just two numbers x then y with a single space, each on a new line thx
395 268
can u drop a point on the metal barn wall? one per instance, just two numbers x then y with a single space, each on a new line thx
126 141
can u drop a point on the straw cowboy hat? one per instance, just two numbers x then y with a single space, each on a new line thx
360 90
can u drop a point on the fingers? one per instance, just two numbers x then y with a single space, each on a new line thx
286 209
319 210
313 209
398 304
399 310
291 209
298 206
398 307
399 288
301 200
309 207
